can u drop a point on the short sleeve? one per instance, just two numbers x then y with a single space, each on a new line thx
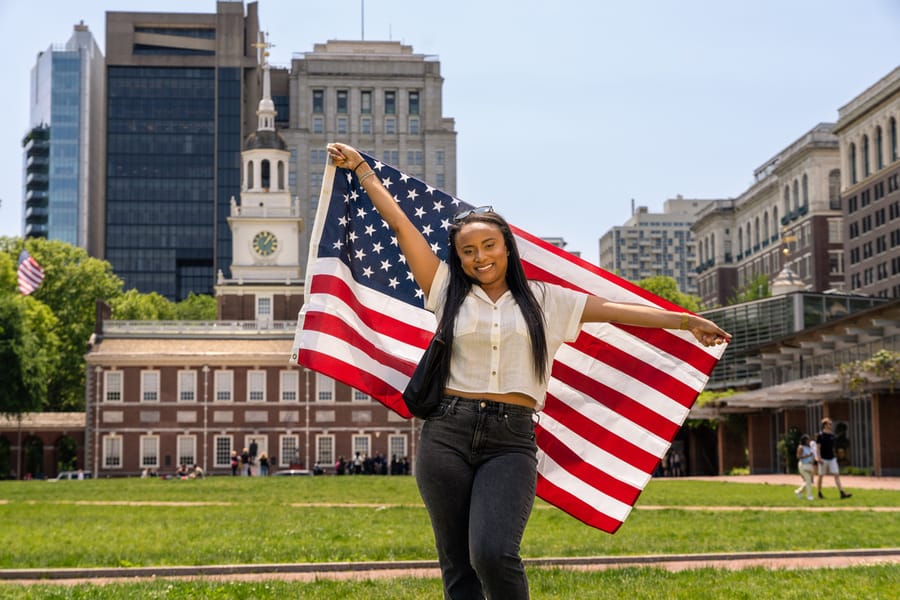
439 284
563 308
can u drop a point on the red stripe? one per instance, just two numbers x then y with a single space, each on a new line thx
577 508
354 377
638 369
578 467
600 436
616 401
334 326
379 321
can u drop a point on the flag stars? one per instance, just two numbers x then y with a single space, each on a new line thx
438 206
387 183
368 272
411 194
420 212
360 254
360 213
426 231
370 230
386 265
393 283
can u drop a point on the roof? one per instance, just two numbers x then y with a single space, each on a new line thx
44 421
159 351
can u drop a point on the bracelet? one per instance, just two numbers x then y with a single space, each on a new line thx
363 178
361 162
684 321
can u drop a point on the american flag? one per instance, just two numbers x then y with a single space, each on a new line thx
30 273
617 395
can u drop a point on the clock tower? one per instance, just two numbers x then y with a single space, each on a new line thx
265 282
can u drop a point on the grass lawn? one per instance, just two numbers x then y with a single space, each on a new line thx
224 520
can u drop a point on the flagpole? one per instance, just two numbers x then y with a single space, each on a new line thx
362 18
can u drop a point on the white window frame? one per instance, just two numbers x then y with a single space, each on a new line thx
187 386
263 309
112 386
256 386
288 444
289 385
113 456
150 385
358 396
149 451
325 449
186 446
404 442
324 388
362 443
223 382
227 446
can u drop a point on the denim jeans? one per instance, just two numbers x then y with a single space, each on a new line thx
476 469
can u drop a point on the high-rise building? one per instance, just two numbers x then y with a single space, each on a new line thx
867 131
64 144
655 244
182 91
379 97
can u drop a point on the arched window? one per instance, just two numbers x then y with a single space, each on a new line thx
774 219
748 238
711 254
879 148
265 175
852 159
834 189
893 139
280 175
740 239
787 200
805 188
250 174
756 232
766 226
865 156
796 195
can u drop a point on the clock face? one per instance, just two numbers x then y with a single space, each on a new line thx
265 243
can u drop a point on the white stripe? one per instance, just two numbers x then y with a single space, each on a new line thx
609 419
338 349
623 383
591 496
610 464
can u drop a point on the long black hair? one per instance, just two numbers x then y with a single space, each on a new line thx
460 284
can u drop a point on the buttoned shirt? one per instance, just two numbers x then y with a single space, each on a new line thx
491 344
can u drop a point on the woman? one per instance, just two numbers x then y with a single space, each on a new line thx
476 460
806 458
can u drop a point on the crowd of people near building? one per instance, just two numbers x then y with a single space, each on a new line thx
362 464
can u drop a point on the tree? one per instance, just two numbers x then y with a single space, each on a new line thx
73 282
666 287
197 307
135 306
755 289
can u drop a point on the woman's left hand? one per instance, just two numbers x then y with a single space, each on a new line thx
707 332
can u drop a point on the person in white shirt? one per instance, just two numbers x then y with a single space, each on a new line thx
476 461
806 457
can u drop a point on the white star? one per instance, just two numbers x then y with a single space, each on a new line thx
385 265
394 240
343 220
420 211
426 231
411 194
404 177
438 206
445 224
410 276
352 236
370 230
403 259
377 248
378 165
419 293
435 247
349 178
346 198
393 283
360 254
367 272
455 202
429 189
361 213
338 245
354 195
387 183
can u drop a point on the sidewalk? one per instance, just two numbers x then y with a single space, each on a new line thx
847 481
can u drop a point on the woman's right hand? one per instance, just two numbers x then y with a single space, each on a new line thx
344 156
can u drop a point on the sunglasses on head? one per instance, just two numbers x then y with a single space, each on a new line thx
472 211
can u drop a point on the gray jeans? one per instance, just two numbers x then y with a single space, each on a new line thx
476 469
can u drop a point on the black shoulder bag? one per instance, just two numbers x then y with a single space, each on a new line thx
426 386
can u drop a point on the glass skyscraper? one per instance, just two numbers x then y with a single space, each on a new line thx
178 89
63 147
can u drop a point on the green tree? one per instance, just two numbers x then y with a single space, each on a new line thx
666 287
755 289
135 306
73 282
197 307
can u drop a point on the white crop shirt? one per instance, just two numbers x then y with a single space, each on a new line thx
491 345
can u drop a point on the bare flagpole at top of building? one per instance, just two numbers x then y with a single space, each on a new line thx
362 19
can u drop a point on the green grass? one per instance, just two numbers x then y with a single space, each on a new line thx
224 520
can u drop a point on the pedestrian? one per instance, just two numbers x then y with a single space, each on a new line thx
235 463
476 464
826 457
263 464
806 458
246 461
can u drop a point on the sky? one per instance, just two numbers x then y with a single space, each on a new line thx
565 111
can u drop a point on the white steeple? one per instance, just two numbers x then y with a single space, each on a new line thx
266 111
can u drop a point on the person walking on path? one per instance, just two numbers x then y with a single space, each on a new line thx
826 457
476 463
806 457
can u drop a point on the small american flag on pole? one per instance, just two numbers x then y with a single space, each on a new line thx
617 395
30 273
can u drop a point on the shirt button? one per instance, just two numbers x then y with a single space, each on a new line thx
483 404
495 347
493 373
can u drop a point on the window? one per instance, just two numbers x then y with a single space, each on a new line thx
187 450
289 452
439 158
256 386
390 126
365 125
187 386
264 308
414 103
223 445
834 189
324 388
414 158
879 148
362 445
325 450
787 201
342 102
113 386
318 124
390 103
865 156
439 180
149 451
365 102
852 159
224 384
835 262
149 386
290 382
318 101
318 158
397 447
112 452
804 186
359 396
414 126
893 139
342 125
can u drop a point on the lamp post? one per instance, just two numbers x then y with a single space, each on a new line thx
306 373
205 412
95 446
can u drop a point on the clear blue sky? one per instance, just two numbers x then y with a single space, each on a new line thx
565 110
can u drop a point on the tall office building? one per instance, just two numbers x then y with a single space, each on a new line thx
380 97
867 130
64 144
182 92
654 244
